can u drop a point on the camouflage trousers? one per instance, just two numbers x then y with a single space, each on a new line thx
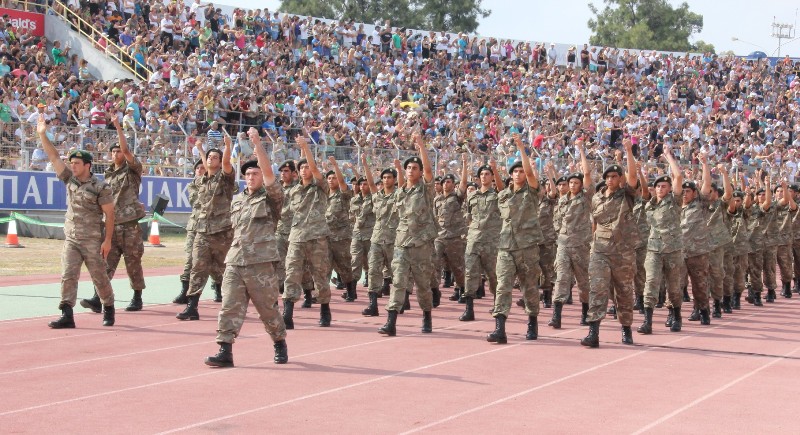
522 264
314 256
411 265
73 255
716 272
697 271
240 285
380 257
739 271
547 263
641 276
611 276
480 258
572 263
796 257
340 259
784 260
770 255
280 266
216 275
755 266
208 254
359 254
127 242
449 255
729 269
666 269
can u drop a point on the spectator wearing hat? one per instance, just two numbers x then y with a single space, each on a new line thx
89 200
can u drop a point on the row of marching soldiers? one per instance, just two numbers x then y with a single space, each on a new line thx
627 240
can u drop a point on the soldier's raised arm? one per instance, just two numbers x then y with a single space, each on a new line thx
526 163
632 174
226 155
706 186
263 158
675 168
427 170
52 152
303 142
462 185
401 178
339 177
498 180
123 143
368 174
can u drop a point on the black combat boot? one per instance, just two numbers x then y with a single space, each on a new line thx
481 292
646 327
676 321
281 352
787 290
389 328
463 298
436 296
638 303
569 297
627 335
93 304
797 285
66 320
521 303
108 315
223 358
584 313
547 298
705 316
717 309
324 315
593 339
499 334
136 302
448 279
307 299
351 294
366 281
280 288
456 294
757 299
670 317
662 299
555 322
406 303
533 328
612 310
372 308
288 314
695 316
217 287
190 312
751 294
686 297
469 310
727 308
427 323
386 290
770 295
736 301
339 283
181 298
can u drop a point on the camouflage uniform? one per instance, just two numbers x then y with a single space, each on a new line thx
740 248
127 239
771 241
643 231
696 246
213 232
363 223
381 251
547 249
518 249
796 249
337 215
758 223
783 239
282 232
664 261
720 238
416 230
191 226
450 244
483 235
613 257
574 229
308 241
250 264
83 227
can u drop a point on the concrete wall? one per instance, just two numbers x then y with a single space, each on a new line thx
100 66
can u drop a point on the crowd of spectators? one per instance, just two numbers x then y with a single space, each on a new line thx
212 75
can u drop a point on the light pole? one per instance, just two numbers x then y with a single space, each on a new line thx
735 39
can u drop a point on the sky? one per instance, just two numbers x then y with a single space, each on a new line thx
564 21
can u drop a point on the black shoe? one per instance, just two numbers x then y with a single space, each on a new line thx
324 315
307 299
463 298
638 304
351 294
136 302
108 315
93 304
736 301
705 316
521 303
757 299
389 328
386 290
406 303
281 352
569 297
469 310
646 327
770 295
288 314
456 294
555 322
751 294
717 313
427 326
726 305
372 308
787 290
676 322
547 298
181 298
280 288
670 317
593 339
695 316
365 283
612 310
448 279
217 287
190 312
627 335
339 284
499 334
436 295
481 292
66 320
224 358
533 328
686 297
662 299
584 313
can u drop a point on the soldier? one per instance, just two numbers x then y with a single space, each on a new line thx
547 249
697 241
574 236
125 177
250 262
613 255
363 223
337 216
88 201
796 241
721 240
786 210
383 234
643 232
416 230
738 215
308 239
664 261
518 248
450 244
214 233
482 236
760 217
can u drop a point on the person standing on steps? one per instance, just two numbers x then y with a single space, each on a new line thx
89 200
250 274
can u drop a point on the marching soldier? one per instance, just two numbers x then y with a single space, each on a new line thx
786 210
337 216
363 224
720 271
450 244
738 215
697 241
761 213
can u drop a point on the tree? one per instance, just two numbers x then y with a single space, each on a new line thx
447 15
703 47
644 24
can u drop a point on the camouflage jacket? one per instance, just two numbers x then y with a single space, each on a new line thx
254 219
485 223
362 216
614 221
337 215
84 216
308 205
214 196
125 182
386 218
519 211
450 215
417 225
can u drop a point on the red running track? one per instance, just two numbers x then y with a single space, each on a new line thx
146 375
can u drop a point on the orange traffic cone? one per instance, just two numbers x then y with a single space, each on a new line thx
11 239
155 237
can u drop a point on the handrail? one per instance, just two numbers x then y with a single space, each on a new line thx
67 14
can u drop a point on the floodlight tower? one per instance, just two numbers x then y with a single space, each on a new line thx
782 31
